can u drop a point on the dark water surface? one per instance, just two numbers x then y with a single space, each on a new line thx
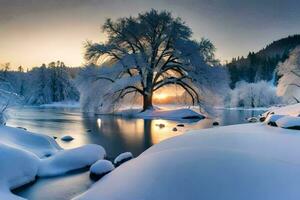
115 134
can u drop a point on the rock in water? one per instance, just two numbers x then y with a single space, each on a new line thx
252 119
215 123
160 125
100 169
22 128
174 129
180 125
123 157
67 138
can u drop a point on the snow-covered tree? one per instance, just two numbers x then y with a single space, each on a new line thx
289 83
250 95
142 55
50 84
8 96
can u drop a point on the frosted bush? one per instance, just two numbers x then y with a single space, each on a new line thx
250 95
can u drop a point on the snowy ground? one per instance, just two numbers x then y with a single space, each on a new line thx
167 113
25 155
244 162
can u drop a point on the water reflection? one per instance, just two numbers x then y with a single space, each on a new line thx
115 134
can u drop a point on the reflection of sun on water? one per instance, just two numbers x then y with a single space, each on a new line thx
161 130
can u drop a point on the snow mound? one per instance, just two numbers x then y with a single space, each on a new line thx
292 110
18 167
289 122
40 145
178 114
72 159
101 168
248 161
25 155
123 157
271 119
67 138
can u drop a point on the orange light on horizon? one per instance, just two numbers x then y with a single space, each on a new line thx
160 96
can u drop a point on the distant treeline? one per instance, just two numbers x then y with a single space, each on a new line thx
40 85
262 65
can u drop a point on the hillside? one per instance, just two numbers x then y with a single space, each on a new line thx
261 65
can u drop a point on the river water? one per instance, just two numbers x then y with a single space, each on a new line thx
115 134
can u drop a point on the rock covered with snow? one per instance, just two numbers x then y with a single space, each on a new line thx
177 114
252 119
289 122
248 161
291 110
67 138
123 157
25 155
71 159
101 168
271 119
284 117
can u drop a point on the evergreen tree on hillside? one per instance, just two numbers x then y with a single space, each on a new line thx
261 65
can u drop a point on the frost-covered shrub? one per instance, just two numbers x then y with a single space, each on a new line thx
250 95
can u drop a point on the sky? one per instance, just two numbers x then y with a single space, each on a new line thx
33 32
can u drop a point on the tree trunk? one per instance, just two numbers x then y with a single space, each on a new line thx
147 102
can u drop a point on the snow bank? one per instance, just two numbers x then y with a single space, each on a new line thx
25 155
68 160
18 167
292 110
178 114
271 119
249 161
289 122
40 145
123 157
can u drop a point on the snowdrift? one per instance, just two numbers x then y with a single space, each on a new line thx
285 117
25 155
249 161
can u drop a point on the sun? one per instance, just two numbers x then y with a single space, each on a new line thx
160 96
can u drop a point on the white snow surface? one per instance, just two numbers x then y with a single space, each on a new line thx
239 162
123 156
38 144
18 167
273 118
25 155
292 110
102 167
288 122
68 160
169 114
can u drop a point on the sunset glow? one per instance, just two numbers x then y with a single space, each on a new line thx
160 96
